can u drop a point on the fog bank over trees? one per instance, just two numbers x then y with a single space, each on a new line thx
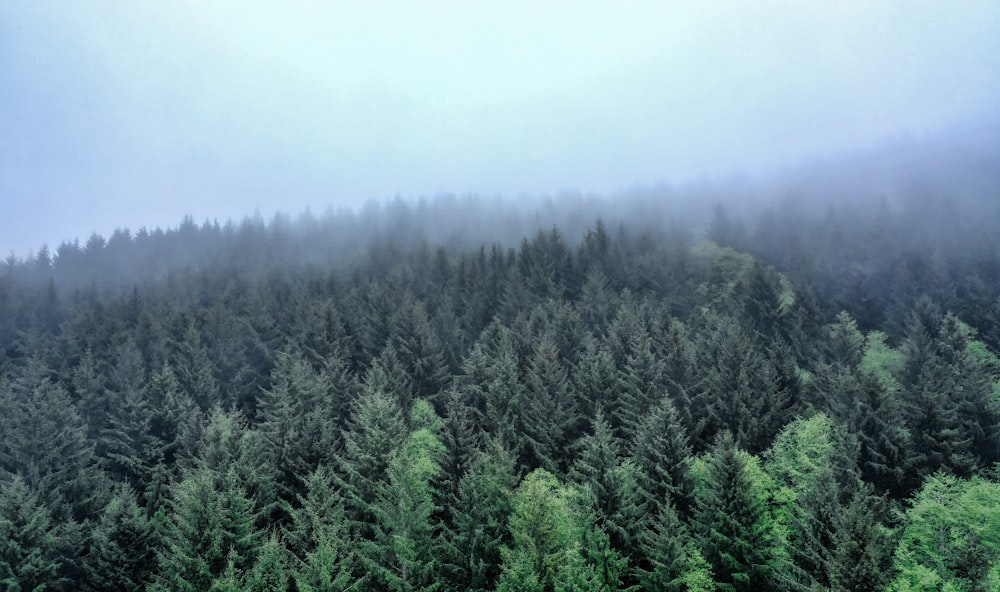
785 382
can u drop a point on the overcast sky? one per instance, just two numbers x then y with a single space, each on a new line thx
134 113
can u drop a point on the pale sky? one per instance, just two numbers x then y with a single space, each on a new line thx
131 113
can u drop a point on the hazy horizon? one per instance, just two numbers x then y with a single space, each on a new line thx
116 114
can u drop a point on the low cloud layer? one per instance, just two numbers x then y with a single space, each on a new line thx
124 114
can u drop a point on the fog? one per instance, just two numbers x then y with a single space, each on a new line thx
122 114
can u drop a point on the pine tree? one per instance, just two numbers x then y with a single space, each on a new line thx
662 455
736 531
43 440
746 391
641 385
541 528
210 527
548 412
399 555
376 429
29 559
295 422
492 381
951 540
388 376
122 546
610 485
669 559
195 369
861 557
470 547
320 539
803 463
419 350
595 379
126 447
270 571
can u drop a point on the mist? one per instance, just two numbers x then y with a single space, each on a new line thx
123 115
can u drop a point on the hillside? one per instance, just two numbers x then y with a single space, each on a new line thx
799 391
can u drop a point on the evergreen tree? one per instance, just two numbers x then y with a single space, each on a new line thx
803 463
122 546
548 412
669 558
861 555
662 455
641 380
470 548
595 379
951 540
320 538
210 527
493 383
399 555
126 446
295 420
29 559
610 485
43 440
541 528
736 531
376 429
745 389
419 350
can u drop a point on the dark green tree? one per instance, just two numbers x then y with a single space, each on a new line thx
470 548
610 486
122 546
662 455
399 555
29 556
736 530
320 538
548 413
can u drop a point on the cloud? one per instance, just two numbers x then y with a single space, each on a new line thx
149 111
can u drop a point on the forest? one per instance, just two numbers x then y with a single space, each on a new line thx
782 384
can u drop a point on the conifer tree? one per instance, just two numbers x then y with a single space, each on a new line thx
610 486
541 528
29 559
669 558
320 538
641 385
492 380
399 554
210 527
548 411
295 420
595 379
122 545
662 455
376 429
470 547
43 440
736 532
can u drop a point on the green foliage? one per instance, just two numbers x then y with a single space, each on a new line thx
28 547
210 528
951 537
320 539
470 549
122 546
261 414
399 554
736 530
881 362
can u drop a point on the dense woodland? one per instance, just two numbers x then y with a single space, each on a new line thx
677 390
